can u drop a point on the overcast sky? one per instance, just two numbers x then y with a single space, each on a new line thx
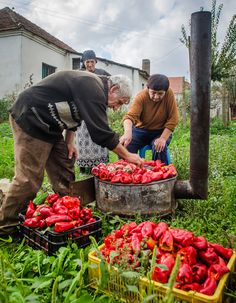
125 31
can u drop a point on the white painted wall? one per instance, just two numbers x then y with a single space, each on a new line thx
138 81
10 64
23 55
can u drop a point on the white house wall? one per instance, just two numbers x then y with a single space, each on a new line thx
10 64
36 53
21 57
138 81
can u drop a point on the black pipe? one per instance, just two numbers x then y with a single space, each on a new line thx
200 66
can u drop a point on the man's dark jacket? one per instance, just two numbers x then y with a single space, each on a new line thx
60 101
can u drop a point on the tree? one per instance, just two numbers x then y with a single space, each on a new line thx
223 57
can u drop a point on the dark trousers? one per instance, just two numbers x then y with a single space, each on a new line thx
142 137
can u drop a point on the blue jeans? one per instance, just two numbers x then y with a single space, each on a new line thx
142 137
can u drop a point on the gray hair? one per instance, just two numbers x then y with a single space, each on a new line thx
124 83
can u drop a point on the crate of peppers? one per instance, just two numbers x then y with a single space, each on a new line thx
51 221
201 277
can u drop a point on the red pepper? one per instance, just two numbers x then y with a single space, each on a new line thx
147 177
137 178
185 275
147 229
209 287
57 218
118 234
32 222
46 211
136 242
95 171
225 253
126 178
188 255
156 175
216 271
70 202
74 212
85 214
172 170
162 275
150 162
91 220
110 241
104 174
64 226
159 230
127 229
116 178
52 198
30 210
181 236
59 208
158 163
200 243
138 228
193 286
199 272
209 256
42 224
166 241
221 261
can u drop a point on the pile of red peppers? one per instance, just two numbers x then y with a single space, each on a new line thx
202 264
59 213
125 172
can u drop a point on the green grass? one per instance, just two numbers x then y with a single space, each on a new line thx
29 276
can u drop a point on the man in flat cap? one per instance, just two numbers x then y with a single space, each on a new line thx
151 119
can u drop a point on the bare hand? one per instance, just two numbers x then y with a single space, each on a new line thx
159 144
125 139
134 158
72 151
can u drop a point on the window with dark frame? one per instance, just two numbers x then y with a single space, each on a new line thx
47 70
75 63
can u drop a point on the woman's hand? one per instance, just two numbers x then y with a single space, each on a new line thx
159 144
125 139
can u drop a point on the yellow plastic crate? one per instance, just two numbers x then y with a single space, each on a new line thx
116 285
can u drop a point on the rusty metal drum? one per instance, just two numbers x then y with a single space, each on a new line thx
132 199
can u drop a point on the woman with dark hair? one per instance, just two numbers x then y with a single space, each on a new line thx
151 119
89 153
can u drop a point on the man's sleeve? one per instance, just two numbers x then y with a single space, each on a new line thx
92 106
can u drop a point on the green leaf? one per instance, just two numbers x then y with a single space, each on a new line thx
129 274
132 288
86 298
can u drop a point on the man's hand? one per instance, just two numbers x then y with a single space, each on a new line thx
125 139
72 151
123 153
135 159
160 144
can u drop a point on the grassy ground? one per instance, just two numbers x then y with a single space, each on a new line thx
30 276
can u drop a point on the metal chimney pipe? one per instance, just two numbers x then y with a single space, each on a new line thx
200 65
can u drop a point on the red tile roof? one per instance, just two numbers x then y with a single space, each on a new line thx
177 84
10 20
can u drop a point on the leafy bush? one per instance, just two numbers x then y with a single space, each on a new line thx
5 105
